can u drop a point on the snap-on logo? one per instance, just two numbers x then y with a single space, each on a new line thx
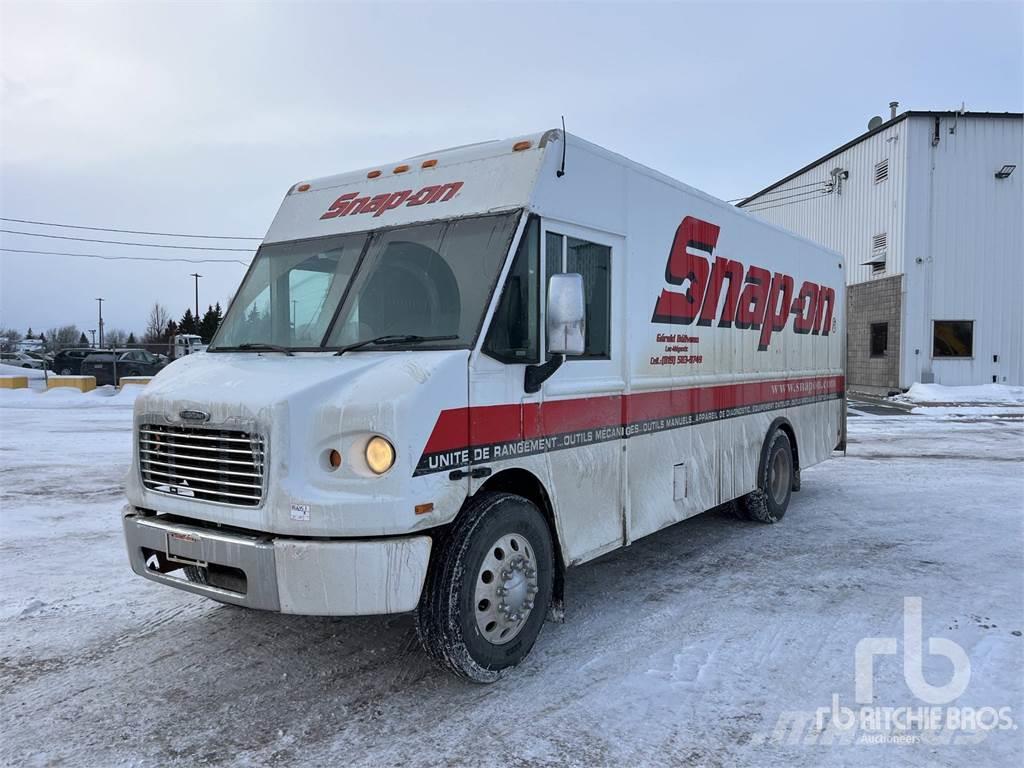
765 302
352 203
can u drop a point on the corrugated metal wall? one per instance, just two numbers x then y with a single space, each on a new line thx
965 247
952 228
859 208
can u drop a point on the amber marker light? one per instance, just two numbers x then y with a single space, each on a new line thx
373 174
423 509
334 458
401 169
519 146
428 163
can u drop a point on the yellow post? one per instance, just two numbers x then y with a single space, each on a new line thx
137 380
13 382
81 383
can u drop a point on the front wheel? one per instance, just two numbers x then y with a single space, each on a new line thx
489 588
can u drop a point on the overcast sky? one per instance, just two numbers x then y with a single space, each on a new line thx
197 117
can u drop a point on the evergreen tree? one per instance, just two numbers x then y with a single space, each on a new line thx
171 330
210 323
29 334
187 324
42 337
81 340
131 339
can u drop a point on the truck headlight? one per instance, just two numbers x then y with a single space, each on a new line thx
380 455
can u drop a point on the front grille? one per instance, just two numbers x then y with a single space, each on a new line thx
219 465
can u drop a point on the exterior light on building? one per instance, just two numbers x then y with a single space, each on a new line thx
1005 171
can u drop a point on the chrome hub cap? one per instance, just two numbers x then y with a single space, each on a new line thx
779 479
505 588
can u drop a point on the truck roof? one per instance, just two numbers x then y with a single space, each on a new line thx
471 179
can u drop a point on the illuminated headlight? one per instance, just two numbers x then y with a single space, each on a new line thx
380 455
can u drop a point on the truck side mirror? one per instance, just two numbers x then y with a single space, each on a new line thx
566 327
566 315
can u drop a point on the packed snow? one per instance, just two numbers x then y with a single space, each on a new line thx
17 370
977 400
698 645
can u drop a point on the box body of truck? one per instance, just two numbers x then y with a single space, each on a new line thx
707 332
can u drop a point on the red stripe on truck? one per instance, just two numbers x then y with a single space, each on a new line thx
460 428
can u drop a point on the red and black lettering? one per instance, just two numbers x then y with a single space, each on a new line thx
351 203
755 299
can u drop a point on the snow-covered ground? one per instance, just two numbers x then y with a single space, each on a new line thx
979 400
703 644
17 370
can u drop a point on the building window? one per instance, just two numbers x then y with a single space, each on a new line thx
879 339
882 171
594 262
953 338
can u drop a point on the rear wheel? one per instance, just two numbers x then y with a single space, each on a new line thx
768 503
489 588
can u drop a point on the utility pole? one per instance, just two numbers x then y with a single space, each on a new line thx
93 332
101 321
196 275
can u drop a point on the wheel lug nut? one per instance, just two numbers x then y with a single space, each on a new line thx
501 591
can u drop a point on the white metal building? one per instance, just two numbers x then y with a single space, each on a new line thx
928 210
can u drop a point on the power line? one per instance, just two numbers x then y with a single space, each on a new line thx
127 231
812 196
128 258
824 189
124 242
772 192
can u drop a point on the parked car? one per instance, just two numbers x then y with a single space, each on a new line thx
21 360
131 362
68 362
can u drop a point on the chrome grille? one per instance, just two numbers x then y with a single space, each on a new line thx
219 465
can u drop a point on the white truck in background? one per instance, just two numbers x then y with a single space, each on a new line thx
183 344
443 381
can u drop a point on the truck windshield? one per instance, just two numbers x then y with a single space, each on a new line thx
421 280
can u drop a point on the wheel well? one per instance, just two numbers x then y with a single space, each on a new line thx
524 483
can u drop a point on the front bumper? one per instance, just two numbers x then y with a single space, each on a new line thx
319 577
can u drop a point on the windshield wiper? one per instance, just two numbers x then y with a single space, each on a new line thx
394 338
256 347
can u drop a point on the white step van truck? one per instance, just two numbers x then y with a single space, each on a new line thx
444 381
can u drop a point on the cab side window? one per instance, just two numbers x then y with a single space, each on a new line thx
594 262
514 335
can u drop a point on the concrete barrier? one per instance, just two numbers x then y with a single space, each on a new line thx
13 382
81 383
137 380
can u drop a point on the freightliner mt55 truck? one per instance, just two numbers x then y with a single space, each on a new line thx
445 380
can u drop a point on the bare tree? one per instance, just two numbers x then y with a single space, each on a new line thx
115 338
62 338
9 338
157 323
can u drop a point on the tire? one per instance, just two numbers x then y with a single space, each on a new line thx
500 541
768 503
197 575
